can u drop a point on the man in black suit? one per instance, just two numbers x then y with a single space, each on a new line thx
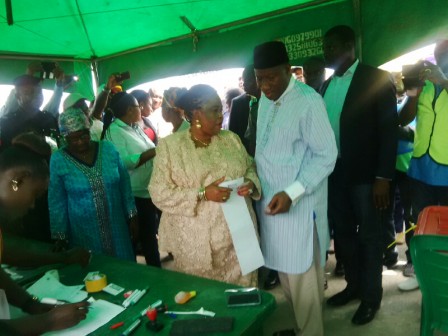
239 111
361 106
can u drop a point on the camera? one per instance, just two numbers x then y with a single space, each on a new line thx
411 75
47 70
122 76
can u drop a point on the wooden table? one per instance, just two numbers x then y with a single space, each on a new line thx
164 285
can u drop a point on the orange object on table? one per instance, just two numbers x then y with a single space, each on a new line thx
433 220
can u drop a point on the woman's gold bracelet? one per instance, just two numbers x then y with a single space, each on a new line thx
201 194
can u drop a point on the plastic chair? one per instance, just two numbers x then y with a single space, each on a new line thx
433 220
430 257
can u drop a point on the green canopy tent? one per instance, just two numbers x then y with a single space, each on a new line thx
160 38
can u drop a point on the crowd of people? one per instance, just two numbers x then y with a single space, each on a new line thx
319 157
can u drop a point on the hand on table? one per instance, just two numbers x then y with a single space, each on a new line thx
66 316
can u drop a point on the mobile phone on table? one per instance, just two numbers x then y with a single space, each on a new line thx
244 299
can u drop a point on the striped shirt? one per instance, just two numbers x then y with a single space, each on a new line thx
296 150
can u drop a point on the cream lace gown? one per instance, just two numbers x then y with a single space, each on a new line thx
196 232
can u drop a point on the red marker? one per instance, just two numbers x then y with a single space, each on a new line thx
116 325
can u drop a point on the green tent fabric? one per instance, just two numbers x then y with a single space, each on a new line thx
160 38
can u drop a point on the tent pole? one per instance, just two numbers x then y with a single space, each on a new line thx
95 77
85 28
358 26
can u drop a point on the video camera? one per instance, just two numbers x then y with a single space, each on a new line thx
122 76
47 70
411 75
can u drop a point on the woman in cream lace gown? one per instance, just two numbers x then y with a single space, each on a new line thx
188 169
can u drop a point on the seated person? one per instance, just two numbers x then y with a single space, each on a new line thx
23 177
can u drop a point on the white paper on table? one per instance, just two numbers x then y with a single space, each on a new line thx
242 229
50 287
100 312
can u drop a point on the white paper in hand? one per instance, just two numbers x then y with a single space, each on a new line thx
242 229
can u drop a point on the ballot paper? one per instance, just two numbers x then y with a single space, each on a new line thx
49 287
12 274
242 229
100 312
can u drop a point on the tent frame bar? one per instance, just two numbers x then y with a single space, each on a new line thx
234 24
230 25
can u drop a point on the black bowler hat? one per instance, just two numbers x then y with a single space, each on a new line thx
25 80
270 54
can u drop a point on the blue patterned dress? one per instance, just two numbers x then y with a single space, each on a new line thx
90 205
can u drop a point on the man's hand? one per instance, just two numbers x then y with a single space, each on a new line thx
381 193
434 74
280 203
34 67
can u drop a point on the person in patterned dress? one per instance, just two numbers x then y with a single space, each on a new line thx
90 199
188 168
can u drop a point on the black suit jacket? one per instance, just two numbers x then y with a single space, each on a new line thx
368 126
239 116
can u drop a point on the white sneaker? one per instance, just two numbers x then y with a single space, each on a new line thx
408 284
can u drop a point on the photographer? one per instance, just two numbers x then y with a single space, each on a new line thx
23 114
428 169
52 107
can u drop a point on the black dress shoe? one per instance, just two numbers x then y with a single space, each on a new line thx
339 269
365 313
342 298
272 280
287 332
390 259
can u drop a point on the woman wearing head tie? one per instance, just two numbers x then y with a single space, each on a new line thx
90 198
188 169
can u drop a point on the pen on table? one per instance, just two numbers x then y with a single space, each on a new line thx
132 327
52 301
116 325
129 299
139 296
87 307
154 305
